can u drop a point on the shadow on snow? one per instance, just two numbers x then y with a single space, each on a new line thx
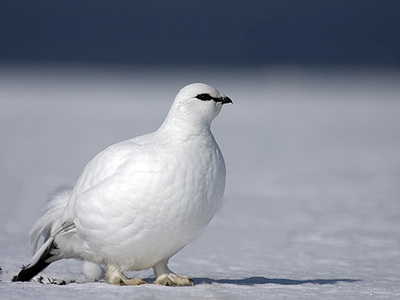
263 280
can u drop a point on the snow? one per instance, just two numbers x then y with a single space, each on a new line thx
313 169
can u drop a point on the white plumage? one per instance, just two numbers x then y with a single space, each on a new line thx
140 201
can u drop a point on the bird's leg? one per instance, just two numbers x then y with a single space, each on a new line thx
115 276
165 276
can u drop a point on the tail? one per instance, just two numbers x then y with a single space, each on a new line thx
45 225
38 263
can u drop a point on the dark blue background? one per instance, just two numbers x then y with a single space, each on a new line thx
176 32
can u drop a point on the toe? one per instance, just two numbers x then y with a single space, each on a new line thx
174 280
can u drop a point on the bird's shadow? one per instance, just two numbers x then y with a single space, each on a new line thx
262 280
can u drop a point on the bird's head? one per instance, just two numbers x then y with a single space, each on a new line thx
197 104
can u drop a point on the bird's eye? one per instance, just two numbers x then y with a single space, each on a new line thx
204 97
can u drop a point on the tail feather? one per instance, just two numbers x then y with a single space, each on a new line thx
38 263
46 225
50 214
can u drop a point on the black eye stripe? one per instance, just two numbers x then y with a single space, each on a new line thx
205 97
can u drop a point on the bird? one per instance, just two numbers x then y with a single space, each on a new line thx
140 201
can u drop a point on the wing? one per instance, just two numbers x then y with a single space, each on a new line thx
121 188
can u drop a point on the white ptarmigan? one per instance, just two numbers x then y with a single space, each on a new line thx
140 201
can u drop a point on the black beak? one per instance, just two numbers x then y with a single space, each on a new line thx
224 100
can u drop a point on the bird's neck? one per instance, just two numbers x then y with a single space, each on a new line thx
180 127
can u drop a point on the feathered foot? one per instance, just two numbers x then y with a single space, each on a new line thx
174 280
115 276
166 277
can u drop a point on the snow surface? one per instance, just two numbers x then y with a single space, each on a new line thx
312 206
